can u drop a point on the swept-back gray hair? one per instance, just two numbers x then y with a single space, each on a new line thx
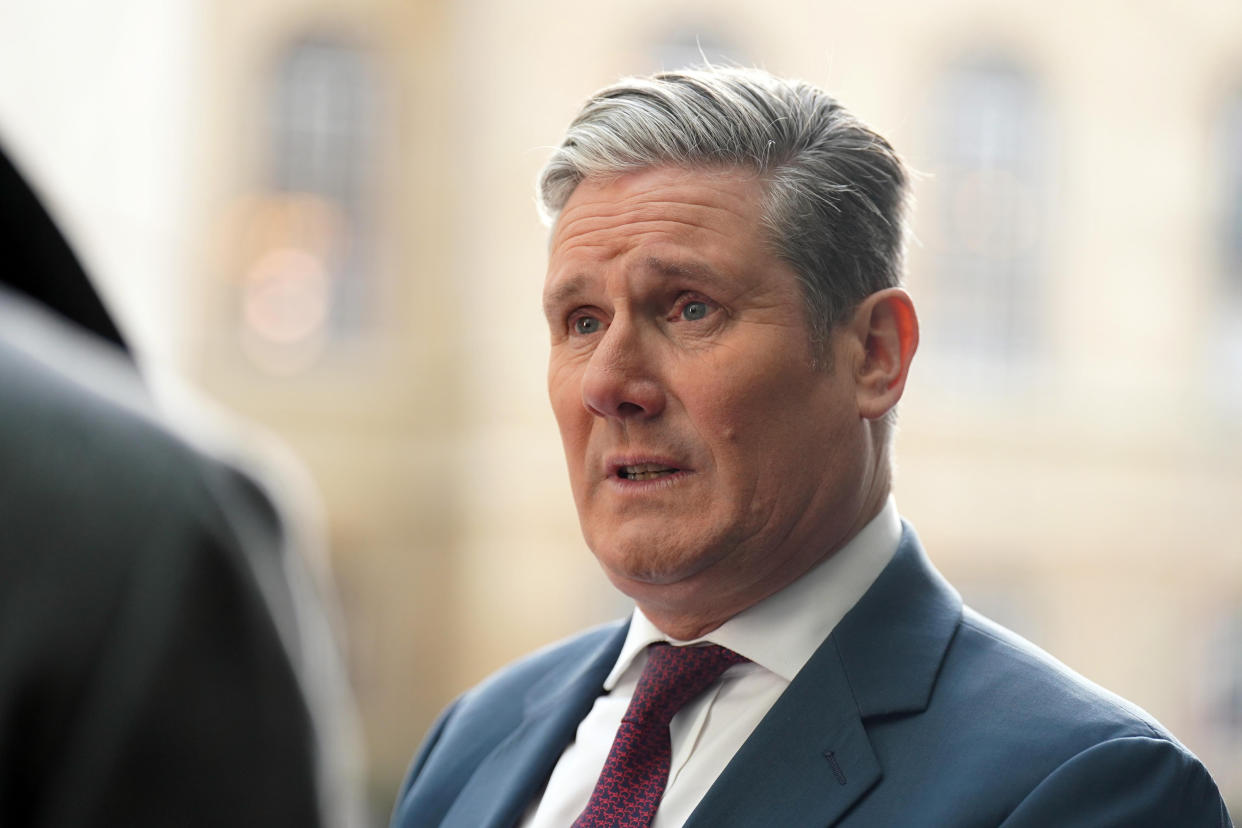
836 190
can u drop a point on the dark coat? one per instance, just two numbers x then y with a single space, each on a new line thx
147 629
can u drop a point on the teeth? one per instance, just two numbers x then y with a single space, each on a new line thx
645 471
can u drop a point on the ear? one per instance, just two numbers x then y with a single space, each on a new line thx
888 329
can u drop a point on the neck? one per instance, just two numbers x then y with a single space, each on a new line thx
693 609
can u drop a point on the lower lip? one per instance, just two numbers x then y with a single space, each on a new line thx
654 484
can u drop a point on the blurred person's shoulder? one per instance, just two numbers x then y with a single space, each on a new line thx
98 493
79 433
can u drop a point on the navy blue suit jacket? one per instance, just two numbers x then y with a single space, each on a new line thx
915 711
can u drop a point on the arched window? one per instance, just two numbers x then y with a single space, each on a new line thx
986 255
309 279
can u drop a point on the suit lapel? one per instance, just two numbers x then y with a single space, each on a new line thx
810 760
806 763
509 777
892 642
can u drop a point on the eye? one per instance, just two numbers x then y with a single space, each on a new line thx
694 310
584 325
692 307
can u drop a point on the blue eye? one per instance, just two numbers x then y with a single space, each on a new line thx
694 310
586 325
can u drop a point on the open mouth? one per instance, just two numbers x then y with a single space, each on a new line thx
646 471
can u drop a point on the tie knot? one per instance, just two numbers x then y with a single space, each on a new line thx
674 676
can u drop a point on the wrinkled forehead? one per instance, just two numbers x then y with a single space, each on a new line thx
608 211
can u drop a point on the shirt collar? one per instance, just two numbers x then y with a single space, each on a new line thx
784 630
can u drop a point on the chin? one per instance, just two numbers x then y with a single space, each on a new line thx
635 562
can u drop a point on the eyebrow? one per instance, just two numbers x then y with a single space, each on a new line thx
693 270
563 292
577 284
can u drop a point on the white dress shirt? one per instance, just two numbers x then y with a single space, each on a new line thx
779 635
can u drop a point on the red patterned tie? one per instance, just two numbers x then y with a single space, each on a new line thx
632 781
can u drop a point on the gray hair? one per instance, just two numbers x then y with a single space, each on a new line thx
836 190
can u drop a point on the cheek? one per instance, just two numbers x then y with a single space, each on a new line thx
560 376
564 393
748 427
572 419
779 428
758 407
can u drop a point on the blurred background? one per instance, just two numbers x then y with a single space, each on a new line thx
320 214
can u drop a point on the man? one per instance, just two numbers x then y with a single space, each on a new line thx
729 343
162 658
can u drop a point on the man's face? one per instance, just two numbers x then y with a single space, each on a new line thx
711 460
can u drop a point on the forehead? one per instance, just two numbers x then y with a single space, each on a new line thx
711 212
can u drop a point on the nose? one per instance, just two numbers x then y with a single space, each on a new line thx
621 380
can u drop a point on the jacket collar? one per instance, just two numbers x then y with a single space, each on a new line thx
810 759
892 643
510 777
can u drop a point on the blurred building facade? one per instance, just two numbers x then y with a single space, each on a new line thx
365 281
